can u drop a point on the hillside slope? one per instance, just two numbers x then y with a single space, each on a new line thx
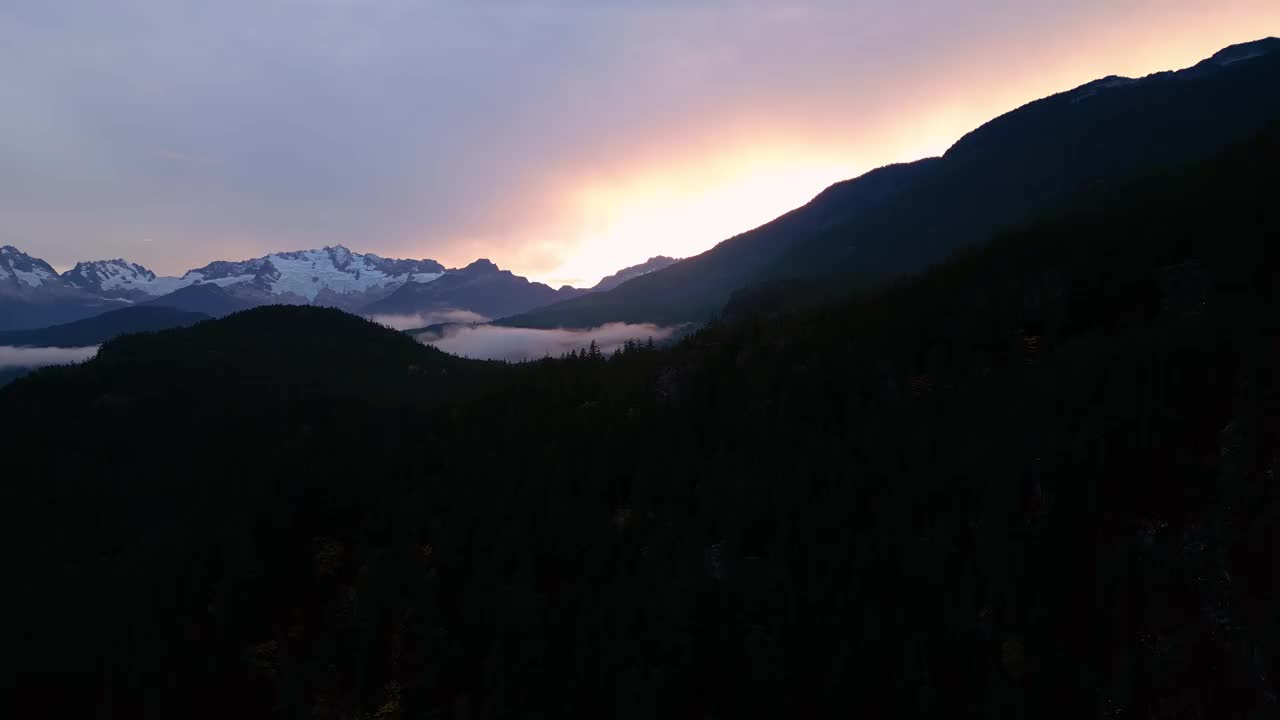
100 328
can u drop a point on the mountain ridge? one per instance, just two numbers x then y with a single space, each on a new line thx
480 287
101 328
653 264
35 295
1013 167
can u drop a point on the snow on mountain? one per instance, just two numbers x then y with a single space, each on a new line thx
302 276
332 276
329 275
32 294
338 270
197 278
21 272
119 278
309 274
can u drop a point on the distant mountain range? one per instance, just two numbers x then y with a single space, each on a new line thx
480 287
34 295
100 328
902 218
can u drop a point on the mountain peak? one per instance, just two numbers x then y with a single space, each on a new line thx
24 269
341 254
653 264
1246 51
111 262
481 265
114 278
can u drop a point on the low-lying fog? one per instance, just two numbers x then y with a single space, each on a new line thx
493 342
34 357
421 320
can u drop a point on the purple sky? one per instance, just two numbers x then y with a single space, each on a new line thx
561 139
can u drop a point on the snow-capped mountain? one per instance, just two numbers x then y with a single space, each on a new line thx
119 279
327 276
35 295
323 276
21 274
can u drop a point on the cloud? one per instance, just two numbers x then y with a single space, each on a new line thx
420 320
494 342
33 357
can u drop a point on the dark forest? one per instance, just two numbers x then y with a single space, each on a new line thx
1037 479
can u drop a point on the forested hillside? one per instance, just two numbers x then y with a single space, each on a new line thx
1037 480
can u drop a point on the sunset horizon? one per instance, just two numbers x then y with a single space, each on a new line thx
558 210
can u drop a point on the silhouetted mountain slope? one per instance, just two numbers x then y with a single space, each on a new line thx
1008 171
1036 480
696 288
28 314
653 264
1034 158
480 287
274 355
208 298
100 328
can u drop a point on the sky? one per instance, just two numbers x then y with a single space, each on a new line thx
561 139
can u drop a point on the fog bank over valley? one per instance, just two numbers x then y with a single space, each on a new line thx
493 342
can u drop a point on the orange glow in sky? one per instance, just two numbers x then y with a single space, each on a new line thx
696 197
675 212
